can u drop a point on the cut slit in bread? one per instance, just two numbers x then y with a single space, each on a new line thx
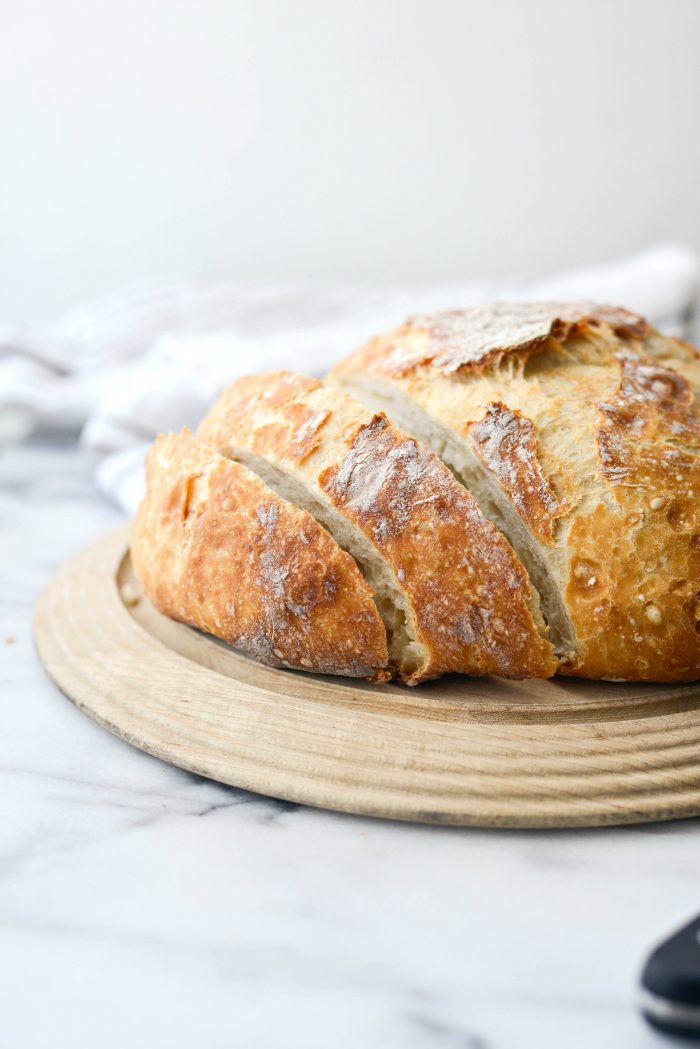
457 455
451 593
405 651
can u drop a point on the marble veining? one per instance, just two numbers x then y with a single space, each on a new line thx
141 905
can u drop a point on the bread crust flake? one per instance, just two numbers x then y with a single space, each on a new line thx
505 441
481 336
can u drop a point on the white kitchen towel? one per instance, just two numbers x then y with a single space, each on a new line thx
153 357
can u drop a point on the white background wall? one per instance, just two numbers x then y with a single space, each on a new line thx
367 138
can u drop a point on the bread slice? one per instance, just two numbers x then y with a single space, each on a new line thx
450 591
215 548
577 429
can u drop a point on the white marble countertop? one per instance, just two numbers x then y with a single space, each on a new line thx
143 906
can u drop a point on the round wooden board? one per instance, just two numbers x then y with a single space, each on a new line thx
561 753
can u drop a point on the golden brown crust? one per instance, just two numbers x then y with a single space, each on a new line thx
287 427
506 443
616 418
652 404
645 603
467 592
215 548
633 620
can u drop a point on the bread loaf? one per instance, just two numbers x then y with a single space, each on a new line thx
577 430
564 535
452 594
215 548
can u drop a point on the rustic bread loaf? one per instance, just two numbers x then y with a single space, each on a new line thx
577 429
450 590
215 548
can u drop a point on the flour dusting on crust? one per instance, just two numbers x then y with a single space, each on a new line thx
380 479
481 336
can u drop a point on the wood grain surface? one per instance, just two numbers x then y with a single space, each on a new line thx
466 751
